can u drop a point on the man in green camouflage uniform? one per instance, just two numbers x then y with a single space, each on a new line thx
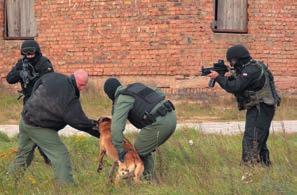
147 110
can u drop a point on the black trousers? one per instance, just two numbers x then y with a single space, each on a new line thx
254 146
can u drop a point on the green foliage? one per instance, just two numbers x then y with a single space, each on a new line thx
6 142
225 109
211 165
96 104
4 137
9 107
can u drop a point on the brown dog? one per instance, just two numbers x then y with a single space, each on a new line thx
132 165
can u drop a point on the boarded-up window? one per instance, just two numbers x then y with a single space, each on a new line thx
230 16
20 20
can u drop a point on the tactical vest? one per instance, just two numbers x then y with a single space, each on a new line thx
267 94
145 100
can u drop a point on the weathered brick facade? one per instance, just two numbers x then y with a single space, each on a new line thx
158 41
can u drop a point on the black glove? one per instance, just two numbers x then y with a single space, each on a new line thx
95 125
122 156
19 65
94 121
94 131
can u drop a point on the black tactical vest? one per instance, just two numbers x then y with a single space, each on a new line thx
145 100
267 94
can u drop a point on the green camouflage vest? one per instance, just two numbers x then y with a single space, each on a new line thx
268 94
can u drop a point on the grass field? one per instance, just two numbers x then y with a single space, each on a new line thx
96 104
209 166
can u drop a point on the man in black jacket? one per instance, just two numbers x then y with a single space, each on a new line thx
254 88
37 65
27 71
54 103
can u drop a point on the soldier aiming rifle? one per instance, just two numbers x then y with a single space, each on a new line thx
253 86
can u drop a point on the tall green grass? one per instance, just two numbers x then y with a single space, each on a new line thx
209 166
10 107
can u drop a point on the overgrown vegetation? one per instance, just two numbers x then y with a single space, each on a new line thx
9 107
209 166
96 104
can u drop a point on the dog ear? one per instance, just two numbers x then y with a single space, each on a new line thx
104 119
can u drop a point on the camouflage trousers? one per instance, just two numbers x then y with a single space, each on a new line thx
152 136
50 143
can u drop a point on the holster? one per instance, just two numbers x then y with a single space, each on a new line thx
161 111
164 109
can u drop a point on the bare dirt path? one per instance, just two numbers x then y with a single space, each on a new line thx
225 128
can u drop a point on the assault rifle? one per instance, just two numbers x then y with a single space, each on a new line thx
25 73
219 67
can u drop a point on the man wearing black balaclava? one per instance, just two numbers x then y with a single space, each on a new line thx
254 88
145 108
38 65
28 69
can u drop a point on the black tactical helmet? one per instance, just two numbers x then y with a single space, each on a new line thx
110 87
30 47
237 52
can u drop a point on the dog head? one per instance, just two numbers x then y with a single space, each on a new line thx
103 119
126 171
104 124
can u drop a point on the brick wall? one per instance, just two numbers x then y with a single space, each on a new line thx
162 42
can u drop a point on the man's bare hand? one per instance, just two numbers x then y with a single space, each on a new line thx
213 74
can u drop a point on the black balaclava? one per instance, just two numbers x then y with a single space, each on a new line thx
110 87
240 54
31 45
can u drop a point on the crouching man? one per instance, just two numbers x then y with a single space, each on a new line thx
54 103
148 110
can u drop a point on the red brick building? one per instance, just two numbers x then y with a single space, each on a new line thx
162 42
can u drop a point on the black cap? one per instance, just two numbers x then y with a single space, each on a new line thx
238 52
110 87
30 46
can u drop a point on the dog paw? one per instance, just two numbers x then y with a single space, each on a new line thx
110 181
99 169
